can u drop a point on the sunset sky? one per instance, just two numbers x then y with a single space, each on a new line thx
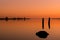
30 8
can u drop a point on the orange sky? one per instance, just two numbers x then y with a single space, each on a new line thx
30 8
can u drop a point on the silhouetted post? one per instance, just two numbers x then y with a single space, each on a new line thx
49 23
42 34
42 23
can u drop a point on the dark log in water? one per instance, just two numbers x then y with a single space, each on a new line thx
42 34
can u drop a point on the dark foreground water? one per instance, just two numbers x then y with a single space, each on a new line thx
26 30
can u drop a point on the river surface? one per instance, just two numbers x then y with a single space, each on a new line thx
26 30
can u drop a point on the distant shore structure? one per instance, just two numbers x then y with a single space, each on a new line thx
6 18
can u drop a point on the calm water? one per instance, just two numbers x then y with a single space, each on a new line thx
26 30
